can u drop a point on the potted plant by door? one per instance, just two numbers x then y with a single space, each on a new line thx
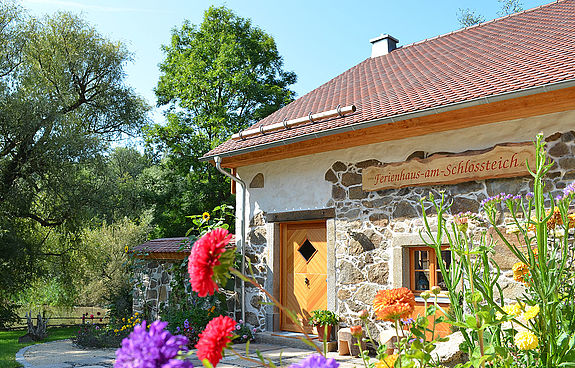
323 320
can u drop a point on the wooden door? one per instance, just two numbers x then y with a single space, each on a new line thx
303 272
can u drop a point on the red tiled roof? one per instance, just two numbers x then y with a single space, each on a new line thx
164 245
528 49
167 245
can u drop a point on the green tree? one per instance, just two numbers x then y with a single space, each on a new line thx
468 17
217 78
107 268
509 7
62 101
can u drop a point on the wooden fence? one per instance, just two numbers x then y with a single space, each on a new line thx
62 317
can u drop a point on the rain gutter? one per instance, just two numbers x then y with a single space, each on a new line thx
218 161
420 113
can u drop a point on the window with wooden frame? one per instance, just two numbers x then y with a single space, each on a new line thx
424 270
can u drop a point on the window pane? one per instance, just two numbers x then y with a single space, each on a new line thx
440 281
421 260
446 255
421 280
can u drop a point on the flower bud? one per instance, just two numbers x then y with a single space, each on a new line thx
364 314
425 295
356 331
435 290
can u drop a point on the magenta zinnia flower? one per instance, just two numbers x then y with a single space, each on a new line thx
204 257
316 361
155 348
215 338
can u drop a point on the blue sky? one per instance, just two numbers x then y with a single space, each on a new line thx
318 39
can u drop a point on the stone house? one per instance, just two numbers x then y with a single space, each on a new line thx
334 179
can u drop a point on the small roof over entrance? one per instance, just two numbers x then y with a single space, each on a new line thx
166 248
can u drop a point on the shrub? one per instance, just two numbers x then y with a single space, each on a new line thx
190 320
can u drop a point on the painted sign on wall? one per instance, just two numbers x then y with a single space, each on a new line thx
503 161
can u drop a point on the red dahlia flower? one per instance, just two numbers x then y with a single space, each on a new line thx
392 305
205 255
215 338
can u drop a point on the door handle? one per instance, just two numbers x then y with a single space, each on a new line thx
307 281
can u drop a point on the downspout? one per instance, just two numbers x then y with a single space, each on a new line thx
218 161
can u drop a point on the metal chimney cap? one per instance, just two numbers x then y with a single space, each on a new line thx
383 36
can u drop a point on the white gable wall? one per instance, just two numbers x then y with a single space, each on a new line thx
299 184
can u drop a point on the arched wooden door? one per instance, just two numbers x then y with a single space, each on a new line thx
303 271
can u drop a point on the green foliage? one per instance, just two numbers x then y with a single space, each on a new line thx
98 337
490 327
243 333
8 315
185 305
62 101
323 317
191 319
217 78
509 7
106 264
468 17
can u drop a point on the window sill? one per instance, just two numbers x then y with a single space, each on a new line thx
440 299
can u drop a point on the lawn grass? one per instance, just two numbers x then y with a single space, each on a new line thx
9 345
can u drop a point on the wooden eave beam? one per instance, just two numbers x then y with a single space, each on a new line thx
164 255
522 107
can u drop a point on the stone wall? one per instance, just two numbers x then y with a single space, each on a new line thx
366 223
153 287
257 253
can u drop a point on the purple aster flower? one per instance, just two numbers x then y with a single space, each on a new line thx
529 195
316 361
254 330
569 190
186 324
244 336
493 199
177 363
238 327
407 321
178 329
155 348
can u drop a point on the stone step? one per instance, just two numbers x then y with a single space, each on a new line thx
292 340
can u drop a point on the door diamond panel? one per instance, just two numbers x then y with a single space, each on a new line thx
307 250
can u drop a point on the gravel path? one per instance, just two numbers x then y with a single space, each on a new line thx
64 354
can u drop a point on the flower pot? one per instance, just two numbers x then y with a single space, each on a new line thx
321 332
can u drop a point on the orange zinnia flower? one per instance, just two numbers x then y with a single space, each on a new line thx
392 305
520 270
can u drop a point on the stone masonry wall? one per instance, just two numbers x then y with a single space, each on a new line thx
153 288
256 252
367 222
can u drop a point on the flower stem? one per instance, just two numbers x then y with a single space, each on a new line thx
262 362
396 323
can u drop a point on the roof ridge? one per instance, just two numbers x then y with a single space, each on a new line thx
482 23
